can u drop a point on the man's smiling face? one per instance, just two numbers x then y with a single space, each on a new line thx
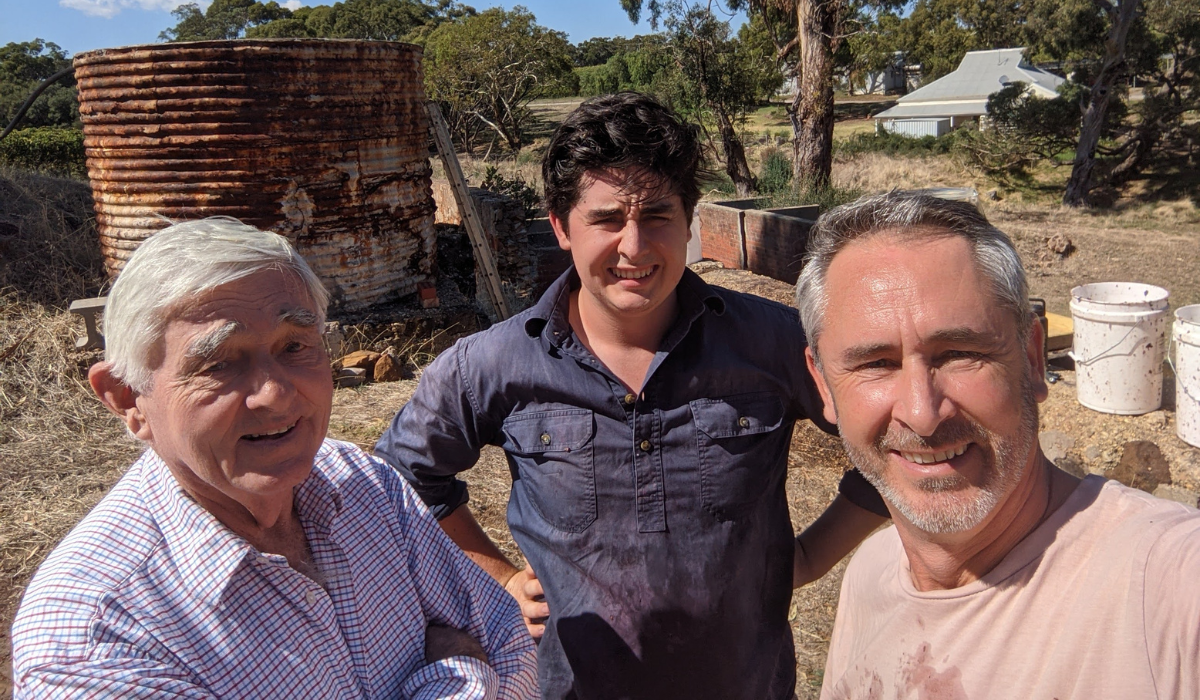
240 399
629 244
934 393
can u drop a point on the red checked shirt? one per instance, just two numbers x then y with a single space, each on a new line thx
151 596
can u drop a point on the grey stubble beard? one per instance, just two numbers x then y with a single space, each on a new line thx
947 507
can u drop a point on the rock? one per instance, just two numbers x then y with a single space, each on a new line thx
1071 466
1177 494
1055 444
388 369
1060 245
1142 466
350 376
993 195
1091 453
1157 419
334 339
361 359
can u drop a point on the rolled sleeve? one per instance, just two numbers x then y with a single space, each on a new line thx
436 434
456 678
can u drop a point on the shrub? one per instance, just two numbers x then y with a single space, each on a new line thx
896 144
51 150
514 187
776 172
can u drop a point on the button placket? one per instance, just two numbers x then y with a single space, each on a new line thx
647 461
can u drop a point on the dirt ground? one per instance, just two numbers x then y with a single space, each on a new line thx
59 452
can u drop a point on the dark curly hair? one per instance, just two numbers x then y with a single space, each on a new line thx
627 132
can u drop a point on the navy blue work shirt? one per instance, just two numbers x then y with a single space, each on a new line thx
657 522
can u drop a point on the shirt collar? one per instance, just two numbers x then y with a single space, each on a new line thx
550 317
205 550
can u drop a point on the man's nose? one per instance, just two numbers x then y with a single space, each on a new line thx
633 241
271 387
921 405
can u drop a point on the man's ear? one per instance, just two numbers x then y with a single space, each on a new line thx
560 231
119 398
1036 355
830 411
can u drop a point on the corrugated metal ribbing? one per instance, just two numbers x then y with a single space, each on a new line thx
323 141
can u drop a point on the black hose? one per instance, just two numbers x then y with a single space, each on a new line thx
40 89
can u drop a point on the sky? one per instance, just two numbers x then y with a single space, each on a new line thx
82 25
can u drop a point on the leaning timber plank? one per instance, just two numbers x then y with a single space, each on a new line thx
1061 332
479 244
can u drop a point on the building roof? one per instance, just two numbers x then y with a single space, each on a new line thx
965 91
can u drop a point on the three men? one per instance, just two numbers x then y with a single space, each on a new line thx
646 418
1003 575
244 555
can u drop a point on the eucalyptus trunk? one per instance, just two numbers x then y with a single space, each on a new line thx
812 109
1081 182
735 156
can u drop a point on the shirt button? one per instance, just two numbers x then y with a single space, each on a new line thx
310 597
264 559
645 445
744 422
545 438
630 398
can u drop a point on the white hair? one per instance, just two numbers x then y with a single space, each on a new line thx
912 215
179 263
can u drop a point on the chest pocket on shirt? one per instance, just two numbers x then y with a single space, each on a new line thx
553 452
737 439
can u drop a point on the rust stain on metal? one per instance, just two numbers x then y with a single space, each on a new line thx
323 141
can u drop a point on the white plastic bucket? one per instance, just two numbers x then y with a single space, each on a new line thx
1186 338
1119 346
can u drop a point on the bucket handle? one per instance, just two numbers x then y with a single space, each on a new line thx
1102 355
1172 345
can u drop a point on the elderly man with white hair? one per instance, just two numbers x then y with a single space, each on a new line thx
1002 576
244 555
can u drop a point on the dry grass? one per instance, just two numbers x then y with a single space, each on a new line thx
59 450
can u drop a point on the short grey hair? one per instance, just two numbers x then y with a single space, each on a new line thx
179 263
910 215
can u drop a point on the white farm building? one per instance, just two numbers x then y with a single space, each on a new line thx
954 99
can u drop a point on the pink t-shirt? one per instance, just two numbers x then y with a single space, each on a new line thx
1101 601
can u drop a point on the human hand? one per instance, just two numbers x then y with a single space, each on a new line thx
527 589
442 642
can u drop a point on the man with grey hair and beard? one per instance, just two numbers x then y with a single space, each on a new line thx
244 555
1002 576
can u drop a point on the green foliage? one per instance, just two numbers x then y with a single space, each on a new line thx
514 187
826 197
485 69
23 66
51 150
896 145
224 19
776 172
380 20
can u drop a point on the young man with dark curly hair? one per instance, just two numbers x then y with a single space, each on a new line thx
646 417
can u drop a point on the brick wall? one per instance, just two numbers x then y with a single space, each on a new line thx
767 242
720 234
775 244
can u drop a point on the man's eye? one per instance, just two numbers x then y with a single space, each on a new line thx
214 367
881 363
294 346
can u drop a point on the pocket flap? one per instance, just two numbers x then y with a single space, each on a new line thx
743 414
549 431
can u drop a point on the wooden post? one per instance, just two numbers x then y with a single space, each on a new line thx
475 231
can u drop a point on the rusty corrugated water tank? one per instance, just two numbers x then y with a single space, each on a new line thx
324 141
